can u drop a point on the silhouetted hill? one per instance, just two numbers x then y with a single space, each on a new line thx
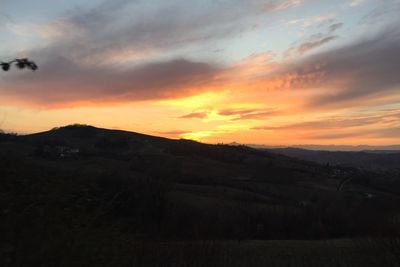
90 187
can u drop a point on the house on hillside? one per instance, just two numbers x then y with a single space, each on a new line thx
57 152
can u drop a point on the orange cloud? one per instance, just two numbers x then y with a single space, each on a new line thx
194 115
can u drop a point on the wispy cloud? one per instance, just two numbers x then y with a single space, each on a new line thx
313 20
194 115
314 41
337 125
325 123
378 125
249 114
61 82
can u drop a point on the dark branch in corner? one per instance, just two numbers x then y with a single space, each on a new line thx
22 63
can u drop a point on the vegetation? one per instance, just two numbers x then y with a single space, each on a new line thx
125 199
22 63
371 160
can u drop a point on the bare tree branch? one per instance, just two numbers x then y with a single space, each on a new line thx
22 63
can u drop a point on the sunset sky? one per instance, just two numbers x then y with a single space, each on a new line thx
217 71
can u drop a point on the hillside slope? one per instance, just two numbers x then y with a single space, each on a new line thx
156 187
370 160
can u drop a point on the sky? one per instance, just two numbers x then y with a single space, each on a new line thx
267 72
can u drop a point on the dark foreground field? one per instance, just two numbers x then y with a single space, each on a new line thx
106 252
83 196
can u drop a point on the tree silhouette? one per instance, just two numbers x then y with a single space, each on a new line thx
22 63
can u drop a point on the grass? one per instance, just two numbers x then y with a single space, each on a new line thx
104 209
112 252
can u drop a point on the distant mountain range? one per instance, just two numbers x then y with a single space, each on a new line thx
372 160
380 149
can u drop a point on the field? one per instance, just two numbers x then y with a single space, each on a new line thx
83 196
360 252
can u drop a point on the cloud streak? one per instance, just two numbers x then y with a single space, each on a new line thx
388 119
249 114
315 41
194 115
63 82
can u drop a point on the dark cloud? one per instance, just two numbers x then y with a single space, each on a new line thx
305 47
314 41
77 65
360 70
369 67
133 26
334 27
61 81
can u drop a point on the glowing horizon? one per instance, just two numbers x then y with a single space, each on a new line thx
267 72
